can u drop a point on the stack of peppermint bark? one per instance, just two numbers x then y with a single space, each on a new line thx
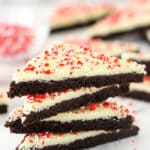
65 109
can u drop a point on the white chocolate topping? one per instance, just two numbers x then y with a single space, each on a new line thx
114 48
62 61
136 56
42 140
141 87
105 110
81 13
121 21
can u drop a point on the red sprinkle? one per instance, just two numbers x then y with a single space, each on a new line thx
36 98
46 65
47 72
93 107
105 104
60 134
30 68
79 62
126 111
47 53
43 142
61 65
75 133
30 141
46 134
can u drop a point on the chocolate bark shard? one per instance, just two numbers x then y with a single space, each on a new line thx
90 139
121 22
106 115
41 87
140 91
141 58
65 66
111 123
86 14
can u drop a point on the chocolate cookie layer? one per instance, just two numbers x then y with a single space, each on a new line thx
91 141
112 123
41 86
139 95
3 109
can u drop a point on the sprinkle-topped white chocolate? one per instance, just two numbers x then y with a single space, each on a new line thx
62 61
141 56
121 21
42 140
141 87
92 111
139 4
114 48
81 13
3 99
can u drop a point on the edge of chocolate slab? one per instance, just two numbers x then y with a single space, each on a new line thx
139 95
112 123
75 103
76 25
41 86
3 109
144 36
94 141
146 63
121 33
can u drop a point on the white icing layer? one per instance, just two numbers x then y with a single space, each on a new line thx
105 110
15 114
137 56
64 61
49 139
3 99
99 112
122 20
143 86
113 48
81 13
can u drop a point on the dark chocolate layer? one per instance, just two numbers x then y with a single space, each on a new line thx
75 103
125 32
76 25
93 141
139 95
3 109
76 125
40 86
